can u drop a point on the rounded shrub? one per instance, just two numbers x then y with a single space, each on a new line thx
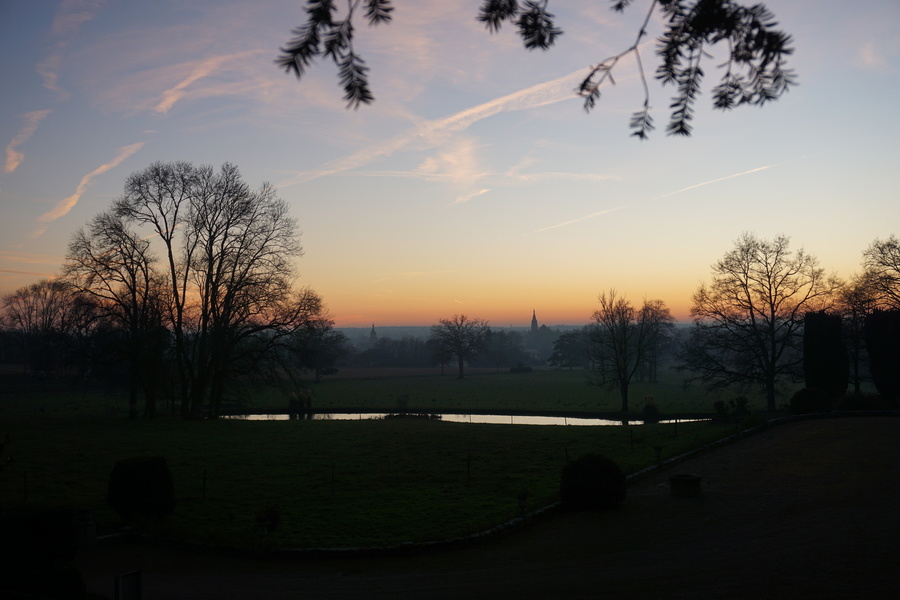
592 482
141 487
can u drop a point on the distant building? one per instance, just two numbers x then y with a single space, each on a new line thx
539 340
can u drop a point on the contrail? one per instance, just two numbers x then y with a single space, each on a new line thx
32 120
711 181
432 132
680 191
741 174
63 207
573 221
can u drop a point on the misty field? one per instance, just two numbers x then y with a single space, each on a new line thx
338 483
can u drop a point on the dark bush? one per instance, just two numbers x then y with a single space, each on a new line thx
882 329
825 363
810 400
141 487
38 536
592 482
38 546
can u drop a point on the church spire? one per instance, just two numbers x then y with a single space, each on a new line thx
534 325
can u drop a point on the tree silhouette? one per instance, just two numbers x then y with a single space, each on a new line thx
754 73
570 350
229 254
315 345
43 318
882 263
856 300
748 322
622 338
459 336
116 266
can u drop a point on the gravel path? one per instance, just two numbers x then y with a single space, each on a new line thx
807 509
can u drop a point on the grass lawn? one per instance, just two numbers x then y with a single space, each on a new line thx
337 483
543 390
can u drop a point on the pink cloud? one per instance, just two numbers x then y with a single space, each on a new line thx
63 207
32 120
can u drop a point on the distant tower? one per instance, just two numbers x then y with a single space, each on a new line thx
534 325
373 337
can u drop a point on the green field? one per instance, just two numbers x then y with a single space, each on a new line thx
544 390
336 483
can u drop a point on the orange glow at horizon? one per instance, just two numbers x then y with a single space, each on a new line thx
567 308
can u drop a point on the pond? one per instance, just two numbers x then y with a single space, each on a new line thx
455 418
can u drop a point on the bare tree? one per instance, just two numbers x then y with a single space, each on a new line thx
43 316
115 266
748 322
229 252
855 301
754 73
622 338
882 265
242 269
461 337
314 343
159 198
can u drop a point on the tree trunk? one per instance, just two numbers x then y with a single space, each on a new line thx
461 362
770 393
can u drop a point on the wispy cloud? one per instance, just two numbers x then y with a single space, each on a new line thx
157 90
63 207
457 164
462 199
26 258
48 69
557 175
666 195
516 173
434 132
31 265
69 18
32 120
712 181
72 14
870 57
194 72
578 220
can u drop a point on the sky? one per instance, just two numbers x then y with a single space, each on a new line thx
476 183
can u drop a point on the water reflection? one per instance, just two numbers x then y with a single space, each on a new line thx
457 418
